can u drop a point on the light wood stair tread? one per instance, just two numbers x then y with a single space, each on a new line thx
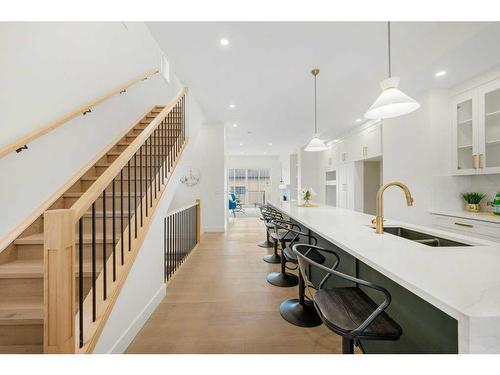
21 314
37 239
33 269
21 349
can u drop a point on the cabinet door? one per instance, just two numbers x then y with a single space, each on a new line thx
489 127
372 142
342 186
344 150
465 134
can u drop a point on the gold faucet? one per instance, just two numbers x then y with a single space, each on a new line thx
379 220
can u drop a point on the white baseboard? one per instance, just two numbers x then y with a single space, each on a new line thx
126 338
214 229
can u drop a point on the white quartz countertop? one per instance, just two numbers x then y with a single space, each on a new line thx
463 281
480 216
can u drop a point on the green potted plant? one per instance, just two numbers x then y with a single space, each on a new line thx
472 201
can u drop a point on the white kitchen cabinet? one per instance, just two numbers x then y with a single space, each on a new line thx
489 127
350 186
476 130
372 142
469 226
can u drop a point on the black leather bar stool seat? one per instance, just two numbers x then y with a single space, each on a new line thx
300 311
348 311
267 214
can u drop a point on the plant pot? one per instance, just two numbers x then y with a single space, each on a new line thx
471 207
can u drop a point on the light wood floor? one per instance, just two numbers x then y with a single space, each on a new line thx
220 302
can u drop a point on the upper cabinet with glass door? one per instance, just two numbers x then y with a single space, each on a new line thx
465 133
489 131
476 137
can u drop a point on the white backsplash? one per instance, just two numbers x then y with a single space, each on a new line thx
447 190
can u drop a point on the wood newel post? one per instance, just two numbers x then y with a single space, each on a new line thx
59 281
198 220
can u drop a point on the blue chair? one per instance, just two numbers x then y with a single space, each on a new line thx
234 204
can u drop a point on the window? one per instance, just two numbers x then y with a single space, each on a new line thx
250 185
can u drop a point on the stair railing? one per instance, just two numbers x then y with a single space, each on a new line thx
83 273
181 234
22 142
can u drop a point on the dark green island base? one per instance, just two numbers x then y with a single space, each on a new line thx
426 329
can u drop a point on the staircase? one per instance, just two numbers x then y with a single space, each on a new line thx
111 205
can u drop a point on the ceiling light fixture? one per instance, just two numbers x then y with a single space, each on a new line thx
269 144
235 125
224 42
358 120
241 144
392 102
316 144
232 105
440 73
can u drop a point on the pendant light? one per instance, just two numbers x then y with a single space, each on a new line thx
316 144
392 102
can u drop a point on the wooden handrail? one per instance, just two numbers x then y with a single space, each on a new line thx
27 138
82 205
170 213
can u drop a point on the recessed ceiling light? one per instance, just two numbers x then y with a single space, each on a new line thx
224 42
241 144
232 105
265 152
359 120
441 73
235 125
269 144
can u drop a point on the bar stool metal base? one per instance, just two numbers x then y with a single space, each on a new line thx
282 279
302 315
265 244
272 258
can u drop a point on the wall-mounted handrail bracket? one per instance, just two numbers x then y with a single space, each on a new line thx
25 147
87 111
123 91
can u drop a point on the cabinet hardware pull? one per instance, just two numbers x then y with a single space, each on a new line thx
475 161
465 225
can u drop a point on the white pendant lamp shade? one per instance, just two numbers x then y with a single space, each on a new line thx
392 102
316 144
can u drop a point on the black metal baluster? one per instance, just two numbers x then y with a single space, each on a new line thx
157 162
165 250
104 255
147 180
122 234
114 230
164 149
135 193
169 125
93 264
150 171
80 282
129 208
140 184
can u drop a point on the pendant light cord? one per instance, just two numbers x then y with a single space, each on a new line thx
315 108
389 46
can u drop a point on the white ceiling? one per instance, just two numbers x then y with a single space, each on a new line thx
265 71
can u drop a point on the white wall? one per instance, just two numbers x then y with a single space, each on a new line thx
310 173
49 69
258 161
207 155
412 154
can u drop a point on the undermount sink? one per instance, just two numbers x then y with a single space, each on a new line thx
423 238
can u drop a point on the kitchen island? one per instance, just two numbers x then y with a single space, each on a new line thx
457 288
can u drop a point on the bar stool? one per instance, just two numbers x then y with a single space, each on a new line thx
284 231
300 311
269 217
263 213
348 311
